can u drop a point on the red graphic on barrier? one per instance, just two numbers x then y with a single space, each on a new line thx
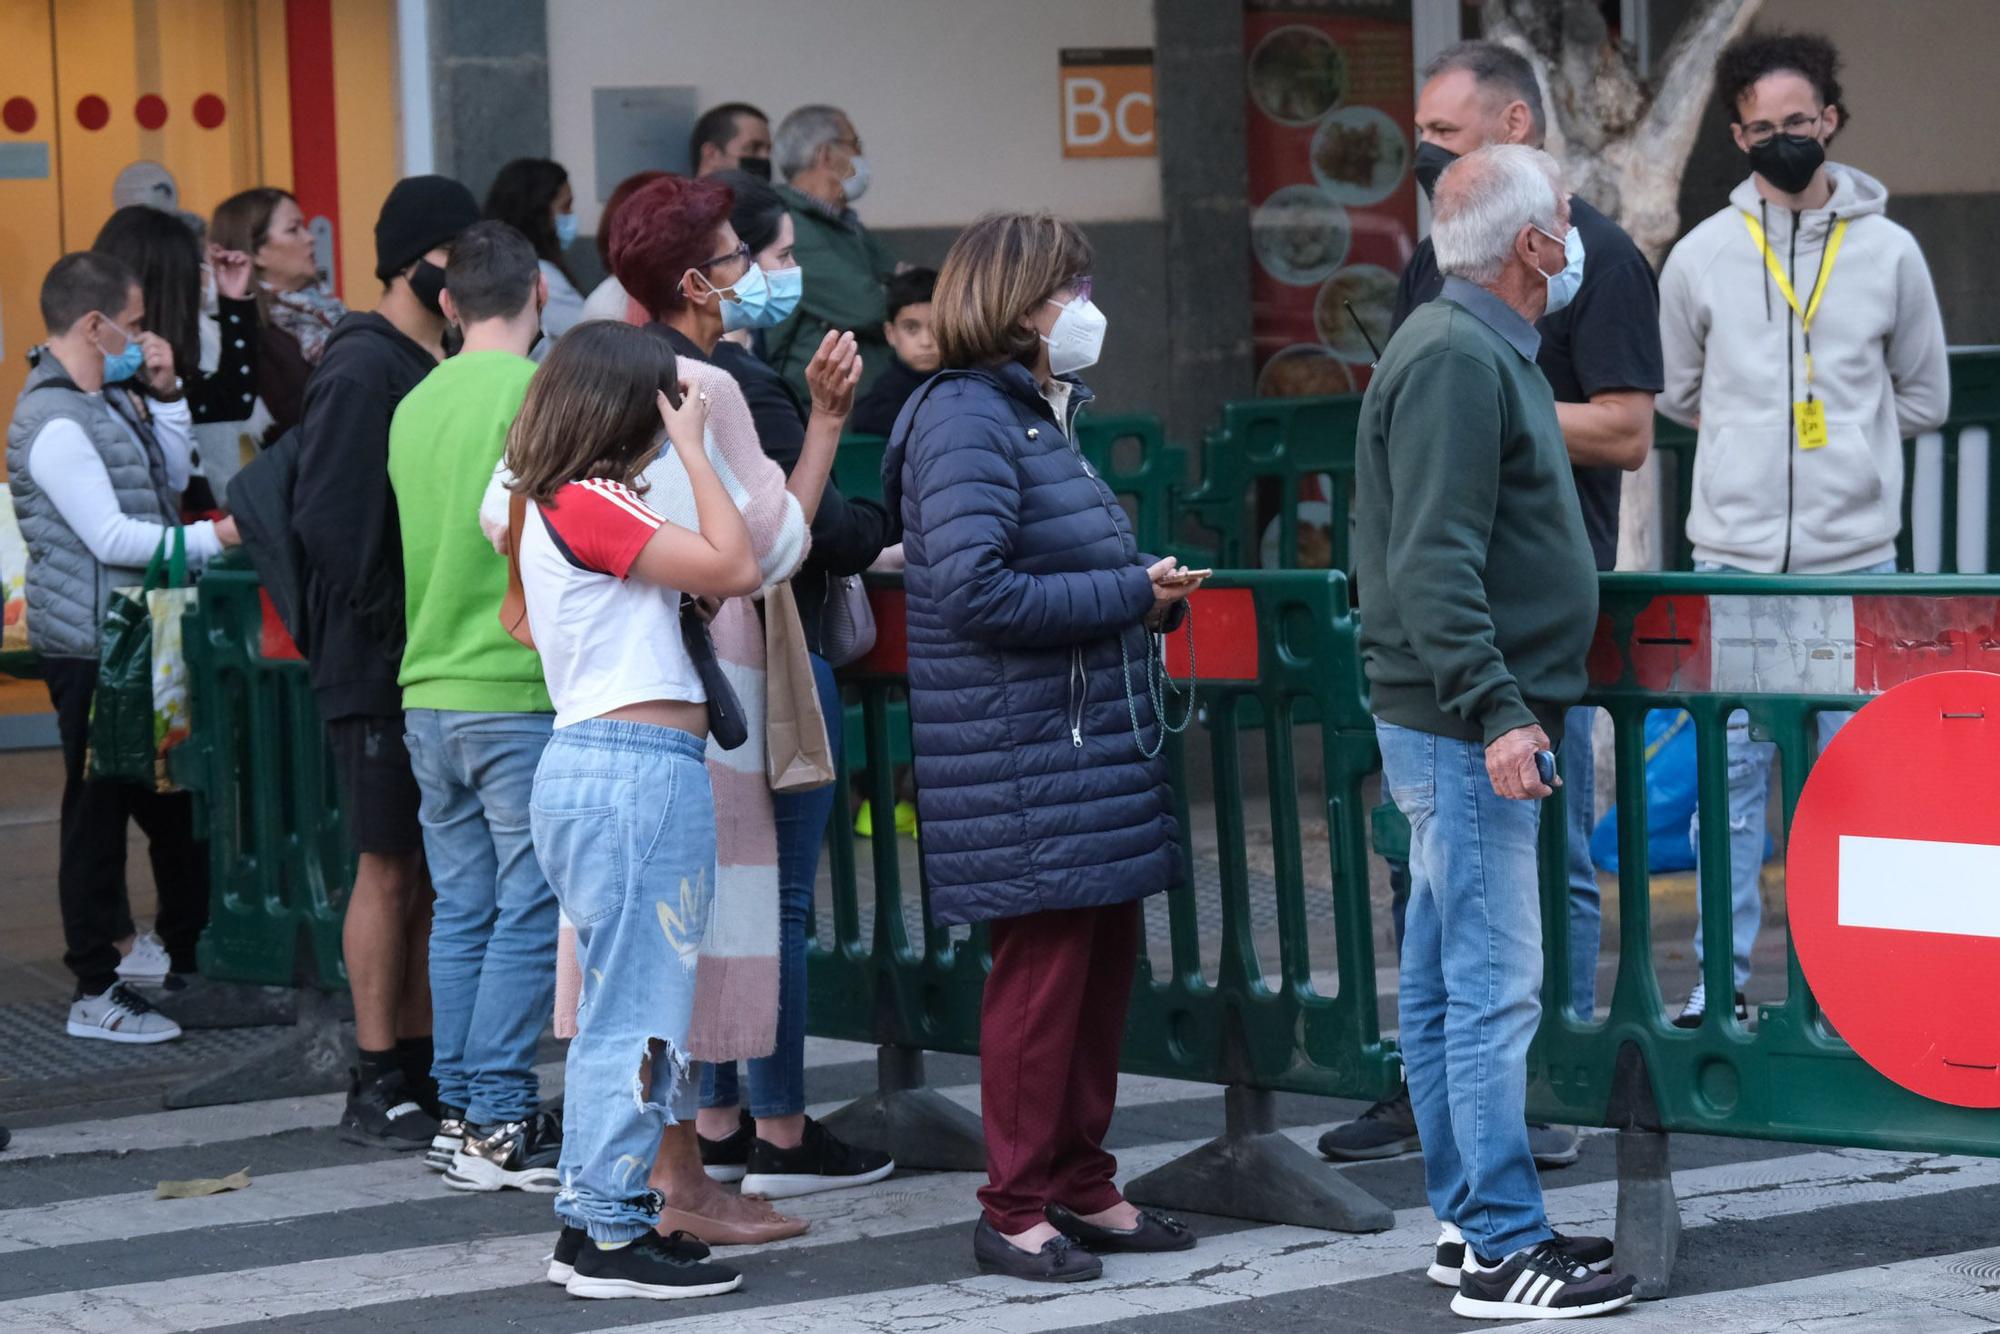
151 111
19 115
1893 886
93 112
210 111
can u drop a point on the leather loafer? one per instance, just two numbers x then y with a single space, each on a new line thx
1059 1260
1155 1232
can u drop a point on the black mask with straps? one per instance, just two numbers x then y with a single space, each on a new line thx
427 285
1430 164
1788 161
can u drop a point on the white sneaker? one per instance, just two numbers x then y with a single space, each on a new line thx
148 961
120 1015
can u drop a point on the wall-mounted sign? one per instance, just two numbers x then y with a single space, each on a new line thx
1107 102
640 129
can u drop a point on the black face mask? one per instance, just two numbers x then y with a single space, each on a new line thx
1788 161
760 167
1431 162
427 285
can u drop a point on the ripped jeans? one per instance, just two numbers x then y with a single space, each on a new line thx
624 825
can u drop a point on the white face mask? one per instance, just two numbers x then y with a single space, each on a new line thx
1076 339
1563 283
856 185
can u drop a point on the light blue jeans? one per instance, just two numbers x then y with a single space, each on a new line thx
1470 995
624 823
1586 910
1749 819
778 1081
493 933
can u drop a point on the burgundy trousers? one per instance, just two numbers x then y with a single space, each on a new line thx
1050 1026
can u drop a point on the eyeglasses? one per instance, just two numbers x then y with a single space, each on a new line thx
741 252
1760 131
1082 287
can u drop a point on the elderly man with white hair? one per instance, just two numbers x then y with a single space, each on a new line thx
1479 598
844 268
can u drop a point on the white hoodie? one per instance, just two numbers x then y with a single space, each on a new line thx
1735 364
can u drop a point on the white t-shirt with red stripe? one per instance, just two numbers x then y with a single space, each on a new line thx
606 641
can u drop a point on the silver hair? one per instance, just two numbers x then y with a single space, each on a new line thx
801 135
1484 200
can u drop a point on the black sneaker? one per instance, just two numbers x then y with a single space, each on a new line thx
821 1162
382 1115
1383 1131
1543 1282
662 1268
450 1138
517 1154
1697 1006
1593 1253
728 1158
571 1241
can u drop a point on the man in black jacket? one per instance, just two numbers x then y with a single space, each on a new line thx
344 516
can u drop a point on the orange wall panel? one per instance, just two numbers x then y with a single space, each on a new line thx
30 206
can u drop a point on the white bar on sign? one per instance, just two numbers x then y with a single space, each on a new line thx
1974 462
1778 644
1927 505
1919 884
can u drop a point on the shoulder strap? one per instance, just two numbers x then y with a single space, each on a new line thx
514 606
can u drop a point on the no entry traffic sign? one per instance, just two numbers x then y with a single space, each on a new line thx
1893 885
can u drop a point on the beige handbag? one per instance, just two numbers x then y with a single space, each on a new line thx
797 753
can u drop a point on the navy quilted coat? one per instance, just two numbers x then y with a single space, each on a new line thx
1023 577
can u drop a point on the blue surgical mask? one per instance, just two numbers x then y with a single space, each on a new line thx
761 300
124 365
565 230
1563 285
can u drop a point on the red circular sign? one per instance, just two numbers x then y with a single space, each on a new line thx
93 112
151 111
209 111
1893 886
18 115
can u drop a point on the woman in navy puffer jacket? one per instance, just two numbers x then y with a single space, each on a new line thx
1029 605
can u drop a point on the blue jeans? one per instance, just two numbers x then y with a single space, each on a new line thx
1586 911
1469 998
1749 819
493 932
778 1081
624 823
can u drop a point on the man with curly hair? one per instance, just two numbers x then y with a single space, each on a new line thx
1803 341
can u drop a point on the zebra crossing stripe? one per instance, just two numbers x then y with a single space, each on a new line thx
1259 1262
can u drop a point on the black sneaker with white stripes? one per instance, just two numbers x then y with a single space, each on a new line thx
1543 1282
571 1241
656 1267
382 1115
1594 1253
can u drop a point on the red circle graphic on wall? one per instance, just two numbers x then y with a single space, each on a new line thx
93 112
18 115
151 112
209 111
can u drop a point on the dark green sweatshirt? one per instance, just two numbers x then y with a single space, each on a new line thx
1477 585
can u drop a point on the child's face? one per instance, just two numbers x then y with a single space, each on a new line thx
911 336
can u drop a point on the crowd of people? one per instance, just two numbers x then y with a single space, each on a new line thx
543 547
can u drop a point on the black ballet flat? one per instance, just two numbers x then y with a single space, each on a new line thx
1059 1260
1155 1232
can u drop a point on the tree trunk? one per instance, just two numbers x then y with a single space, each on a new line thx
1623 140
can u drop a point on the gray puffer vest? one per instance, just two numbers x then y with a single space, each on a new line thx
67 587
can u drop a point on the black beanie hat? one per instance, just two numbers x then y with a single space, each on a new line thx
421 213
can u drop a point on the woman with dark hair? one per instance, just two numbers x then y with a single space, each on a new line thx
609 300
1046 810
532 194
298 312
161 249
769 1143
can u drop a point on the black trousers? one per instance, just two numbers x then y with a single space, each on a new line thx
90 877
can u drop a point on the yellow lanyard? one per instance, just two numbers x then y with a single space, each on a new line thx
1785 284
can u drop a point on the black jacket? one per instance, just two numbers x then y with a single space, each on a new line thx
876 411
344 516
847 533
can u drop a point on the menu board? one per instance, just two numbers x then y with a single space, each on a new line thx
1333 206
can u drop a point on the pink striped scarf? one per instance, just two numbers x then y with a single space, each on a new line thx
736 979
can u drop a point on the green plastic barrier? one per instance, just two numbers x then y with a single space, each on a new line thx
279 860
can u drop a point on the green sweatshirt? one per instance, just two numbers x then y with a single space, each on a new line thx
844 268
446 436
1478 589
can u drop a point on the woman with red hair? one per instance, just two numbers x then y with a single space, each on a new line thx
673 249
609 300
